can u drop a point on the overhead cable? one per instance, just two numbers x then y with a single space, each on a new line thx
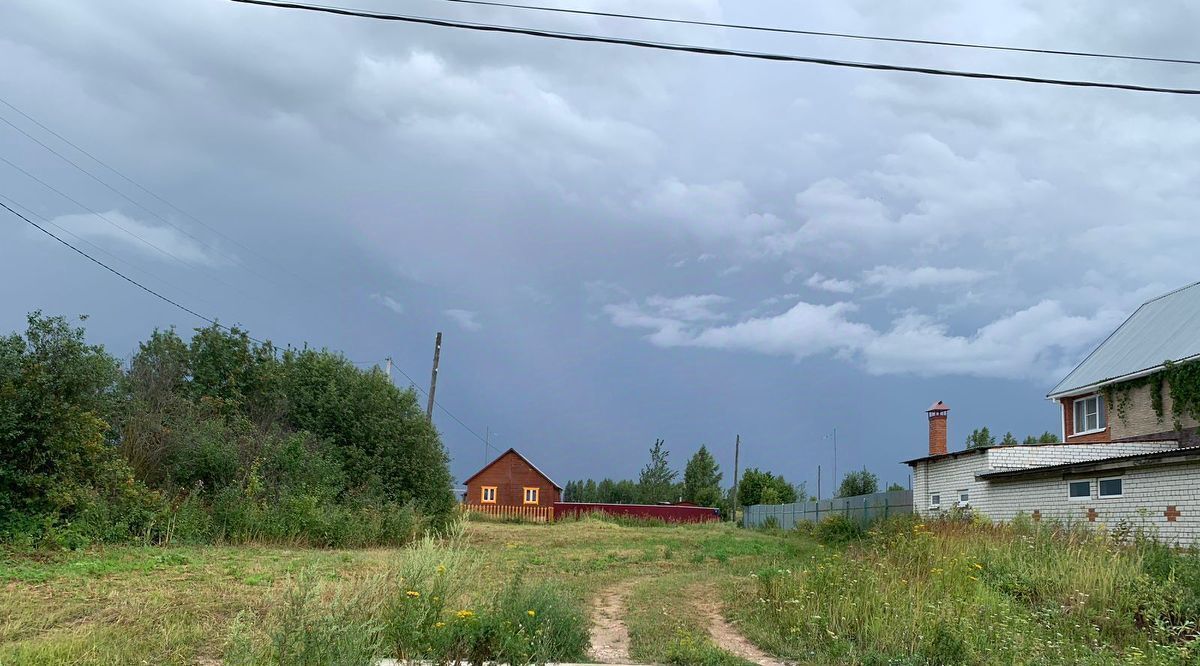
713 51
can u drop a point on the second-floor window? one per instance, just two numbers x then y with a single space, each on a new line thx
1089 414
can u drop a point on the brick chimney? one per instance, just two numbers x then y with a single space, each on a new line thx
938 413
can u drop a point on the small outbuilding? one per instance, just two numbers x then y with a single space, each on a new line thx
511 480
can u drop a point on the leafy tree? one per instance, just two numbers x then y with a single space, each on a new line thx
759 487
1045 438
980 438
894 487
57 461
1008 440
861 482
657 479
387 446
702 479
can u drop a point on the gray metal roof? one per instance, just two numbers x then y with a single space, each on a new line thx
1166 328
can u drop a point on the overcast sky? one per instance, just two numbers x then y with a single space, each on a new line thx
618 244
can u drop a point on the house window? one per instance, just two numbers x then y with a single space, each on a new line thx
964 498
1089 414
487 495
1079 490
1110 488
531 495
935 501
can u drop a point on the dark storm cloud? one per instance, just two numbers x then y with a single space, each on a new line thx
622 244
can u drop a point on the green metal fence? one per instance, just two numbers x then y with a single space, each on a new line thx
862 508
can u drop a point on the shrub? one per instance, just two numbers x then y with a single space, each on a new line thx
838 529
247 446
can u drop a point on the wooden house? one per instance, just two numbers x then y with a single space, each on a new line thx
511 481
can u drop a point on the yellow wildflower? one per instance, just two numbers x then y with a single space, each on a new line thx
441 568
413 593
464 614
530 613
439 625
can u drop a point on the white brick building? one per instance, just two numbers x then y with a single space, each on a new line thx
1127 467
1154 486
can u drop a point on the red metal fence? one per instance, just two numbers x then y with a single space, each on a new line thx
666 512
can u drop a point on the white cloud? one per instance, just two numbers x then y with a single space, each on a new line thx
892 278
711 212
691 308
388 302
466 319
1040 342
118 227
426 97
818 281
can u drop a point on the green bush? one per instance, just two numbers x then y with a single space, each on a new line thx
838 529
216 439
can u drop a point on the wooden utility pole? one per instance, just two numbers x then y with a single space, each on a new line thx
737 447
437 354
818 483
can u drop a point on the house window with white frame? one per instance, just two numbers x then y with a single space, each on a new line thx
1089 414
1110 488
1079 490
935 500
964 498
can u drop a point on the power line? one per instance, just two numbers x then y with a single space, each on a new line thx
96 178
110 222
98 248
210 320
97 214
114 271
133 182
444 410
706 50
820 33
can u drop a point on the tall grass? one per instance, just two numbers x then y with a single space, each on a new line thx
430 606
962 593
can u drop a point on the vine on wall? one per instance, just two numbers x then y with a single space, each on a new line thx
1183 380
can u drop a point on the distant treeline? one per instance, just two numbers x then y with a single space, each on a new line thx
982 438
700 484
216 438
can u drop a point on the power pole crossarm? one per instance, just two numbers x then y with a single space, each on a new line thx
437 354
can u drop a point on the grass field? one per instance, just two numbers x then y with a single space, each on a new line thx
909 594
122 605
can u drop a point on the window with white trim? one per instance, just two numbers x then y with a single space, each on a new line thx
964 498
487 495
935 500
1113 487
1079 490
531 495
1089 414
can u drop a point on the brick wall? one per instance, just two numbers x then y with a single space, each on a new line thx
510 475
1024 457
947 476
1147 497
1140 419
